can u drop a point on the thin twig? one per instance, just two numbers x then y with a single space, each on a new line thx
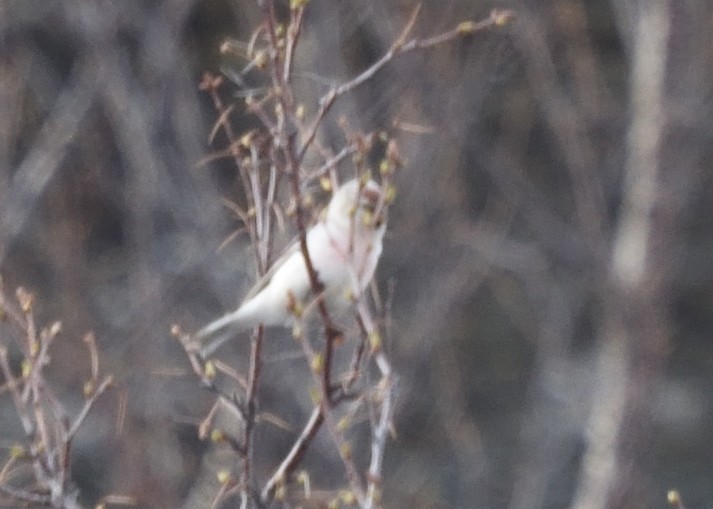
294 457
251 396
496 18
25 496
88 404
293 35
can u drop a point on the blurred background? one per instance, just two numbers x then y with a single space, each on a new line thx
549 255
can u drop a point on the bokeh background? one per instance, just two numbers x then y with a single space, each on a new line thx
536 369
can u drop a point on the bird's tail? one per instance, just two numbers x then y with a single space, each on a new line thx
212 336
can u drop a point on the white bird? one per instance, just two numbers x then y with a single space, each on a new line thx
344 248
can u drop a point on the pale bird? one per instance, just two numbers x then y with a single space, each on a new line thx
344 248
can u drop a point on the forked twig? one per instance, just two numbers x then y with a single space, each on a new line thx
49 430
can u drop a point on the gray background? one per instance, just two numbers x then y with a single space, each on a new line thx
499 250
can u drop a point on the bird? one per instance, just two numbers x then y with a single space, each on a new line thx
344 248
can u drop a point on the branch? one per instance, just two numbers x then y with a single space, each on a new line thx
25 496
294 457
496 18
88 404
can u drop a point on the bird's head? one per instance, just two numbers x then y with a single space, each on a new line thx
361 203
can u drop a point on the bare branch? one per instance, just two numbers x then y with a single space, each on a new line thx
294 457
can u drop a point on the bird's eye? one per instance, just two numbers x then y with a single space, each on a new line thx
369 195
369 201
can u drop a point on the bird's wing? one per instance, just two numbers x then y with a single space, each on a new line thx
261 283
